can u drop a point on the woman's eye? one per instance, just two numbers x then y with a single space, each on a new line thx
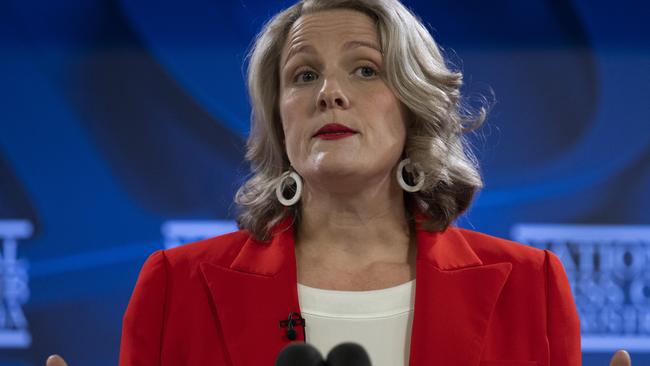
366 71
305 77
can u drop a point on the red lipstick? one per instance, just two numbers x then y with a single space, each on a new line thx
334 131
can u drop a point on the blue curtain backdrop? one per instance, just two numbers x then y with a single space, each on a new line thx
122 129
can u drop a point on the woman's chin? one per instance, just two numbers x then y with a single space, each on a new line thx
342 175
331 169
333 163
334 170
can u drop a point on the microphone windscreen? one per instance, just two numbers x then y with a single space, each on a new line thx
348 354
299 354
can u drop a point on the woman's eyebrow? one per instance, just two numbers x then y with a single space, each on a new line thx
356 44
309 49
305 48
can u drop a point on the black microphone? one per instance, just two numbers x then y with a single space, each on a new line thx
299 354
348 354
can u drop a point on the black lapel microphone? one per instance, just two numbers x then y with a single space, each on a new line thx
299 354
348 354
294 320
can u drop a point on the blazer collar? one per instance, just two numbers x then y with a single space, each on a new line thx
455 296
268 258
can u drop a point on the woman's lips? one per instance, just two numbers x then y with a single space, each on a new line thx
335 136
334 131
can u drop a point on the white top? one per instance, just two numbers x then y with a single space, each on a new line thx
379 320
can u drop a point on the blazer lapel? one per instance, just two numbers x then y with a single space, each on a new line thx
252 296
454 298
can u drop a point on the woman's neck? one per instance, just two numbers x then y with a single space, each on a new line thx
367 225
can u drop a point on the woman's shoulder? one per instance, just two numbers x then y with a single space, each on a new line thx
491 249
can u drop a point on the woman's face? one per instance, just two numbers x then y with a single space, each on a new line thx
331 76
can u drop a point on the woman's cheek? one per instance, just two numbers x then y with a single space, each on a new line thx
295 95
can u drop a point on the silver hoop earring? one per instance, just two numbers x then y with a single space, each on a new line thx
282 184
419 182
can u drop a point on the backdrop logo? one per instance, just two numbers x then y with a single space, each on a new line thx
607 267
14 290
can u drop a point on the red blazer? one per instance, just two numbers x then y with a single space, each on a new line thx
479 301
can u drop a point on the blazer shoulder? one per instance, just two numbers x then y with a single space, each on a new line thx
491 249
219 250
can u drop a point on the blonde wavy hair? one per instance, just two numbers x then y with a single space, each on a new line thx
416 72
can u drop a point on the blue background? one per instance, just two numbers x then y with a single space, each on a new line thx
117 116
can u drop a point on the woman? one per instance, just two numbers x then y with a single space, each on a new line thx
359 167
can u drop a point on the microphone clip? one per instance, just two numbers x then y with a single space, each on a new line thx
294 319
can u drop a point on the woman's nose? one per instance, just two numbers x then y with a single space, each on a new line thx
332 96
